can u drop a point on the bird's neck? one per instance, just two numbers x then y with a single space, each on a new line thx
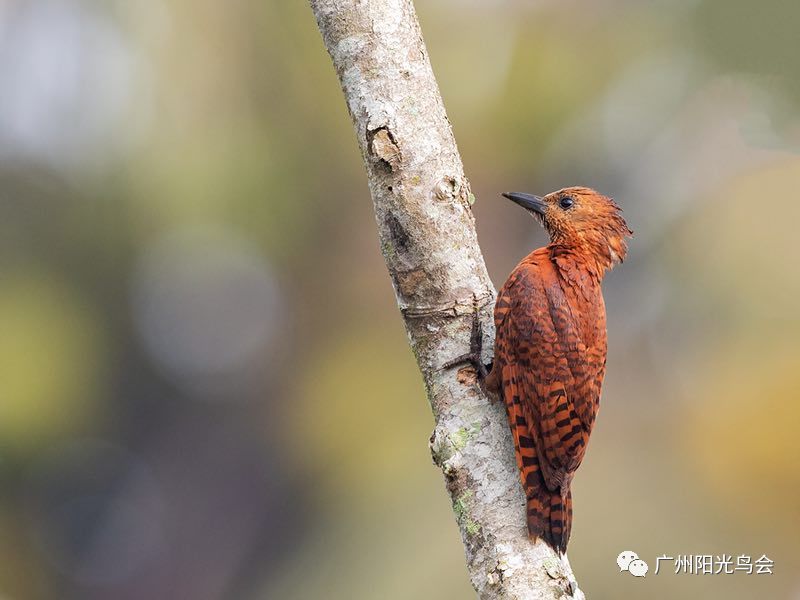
580 261
580 275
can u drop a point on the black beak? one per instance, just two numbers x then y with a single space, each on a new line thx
527 201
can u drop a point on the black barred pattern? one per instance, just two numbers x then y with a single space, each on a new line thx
549 364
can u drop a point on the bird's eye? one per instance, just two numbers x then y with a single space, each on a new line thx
566 202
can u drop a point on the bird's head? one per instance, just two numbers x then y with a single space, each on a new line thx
582 220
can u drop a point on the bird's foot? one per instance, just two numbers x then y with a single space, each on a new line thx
475 355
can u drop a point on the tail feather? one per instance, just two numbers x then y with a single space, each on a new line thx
549 516
549 513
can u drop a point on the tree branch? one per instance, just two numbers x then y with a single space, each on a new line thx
422 204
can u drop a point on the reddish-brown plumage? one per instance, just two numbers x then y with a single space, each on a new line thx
550 350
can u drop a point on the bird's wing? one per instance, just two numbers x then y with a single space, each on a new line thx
548 371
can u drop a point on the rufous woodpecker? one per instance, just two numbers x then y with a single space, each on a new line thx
550 349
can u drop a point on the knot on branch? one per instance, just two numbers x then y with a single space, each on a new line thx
447 189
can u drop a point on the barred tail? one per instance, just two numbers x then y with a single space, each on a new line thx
549 516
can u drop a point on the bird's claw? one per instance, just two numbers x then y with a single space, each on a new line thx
475 355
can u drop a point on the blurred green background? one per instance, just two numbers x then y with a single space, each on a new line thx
198 336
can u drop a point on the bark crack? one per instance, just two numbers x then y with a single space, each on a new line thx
384 147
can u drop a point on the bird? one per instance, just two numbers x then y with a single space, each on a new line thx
550 348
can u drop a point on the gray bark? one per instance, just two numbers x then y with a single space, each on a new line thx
423 208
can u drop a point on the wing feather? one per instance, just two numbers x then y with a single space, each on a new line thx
554 378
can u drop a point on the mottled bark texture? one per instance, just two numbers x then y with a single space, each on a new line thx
423 208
